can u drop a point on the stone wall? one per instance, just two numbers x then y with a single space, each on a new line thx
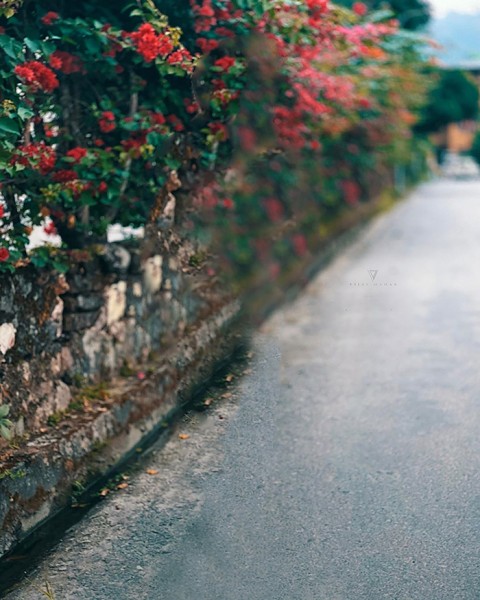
108 315
96 359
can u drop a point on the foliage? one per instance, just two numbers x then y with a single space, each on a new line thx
411 14
453 99
103 104
475 151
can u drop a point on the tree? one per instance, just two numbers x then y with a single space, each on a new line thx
412 14
455 98
475 151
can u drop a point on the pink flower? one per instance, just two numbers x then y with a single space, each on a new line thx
360 9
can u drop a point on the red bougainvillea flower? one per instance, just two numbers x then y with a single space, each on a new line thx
351 191
4 254
102 188
2 211
39 157
149 44
64 175
175 122
299 244
274 209
360 9
207 46
107 122
180 57
37 76
66 63
77 154
50 17
225 63
219 130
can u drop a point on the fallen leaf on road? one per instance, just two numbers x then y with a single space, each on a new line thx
208 401
152 472
229 378
183 436
227 395
122 486
104 492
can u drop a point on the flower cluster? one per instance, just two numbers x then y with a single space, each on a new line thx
38 157
37 76
149 44
97 110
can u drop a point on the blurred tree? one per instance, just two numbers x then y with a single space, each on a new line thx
475 151
453 99
412 14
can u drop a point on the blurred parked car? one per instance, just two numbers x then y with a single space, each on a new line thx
460 167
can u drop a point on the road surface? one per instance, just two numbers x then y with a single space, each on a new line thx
345 466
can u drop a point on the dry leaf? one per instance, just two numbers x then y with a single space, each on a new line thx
152 472
183 436
229 378
104 492
227 395
208 401
122 486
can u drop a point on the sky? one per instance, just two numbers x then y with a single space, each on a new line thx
442 7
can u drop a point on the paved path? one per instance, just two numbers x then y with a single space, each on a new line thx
347 465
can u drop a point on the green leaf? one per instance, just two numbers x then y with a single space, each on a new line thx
25 113
4 410
5 432
9 126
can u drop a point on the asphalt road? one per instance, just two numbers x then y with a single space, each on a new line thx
346 466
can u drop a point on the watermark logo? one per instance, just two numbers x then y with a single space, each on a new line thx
375 280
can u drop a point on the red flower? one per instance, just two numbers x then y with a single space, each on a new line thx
4 254
225 63
360 9
36 156
103 187
37 76
219 130
2 211
351 191
107 122
50 228
158 118
224 32
207 46
179 57
66 63
274 209
175 123
299 244
149 44
64 175
49 17
77 154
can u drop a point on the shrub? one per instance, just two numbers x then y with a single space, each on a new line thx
101 105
